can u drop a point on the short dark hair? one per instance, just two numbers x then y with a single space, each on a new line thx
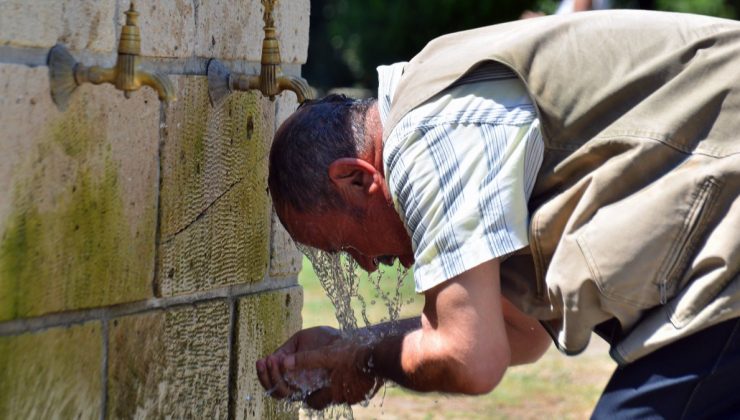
317 134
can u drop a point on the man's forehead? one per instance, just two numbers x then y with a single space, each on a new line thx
307 229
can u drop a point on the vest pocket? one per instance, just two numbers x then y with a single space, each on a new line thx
638 248
686 242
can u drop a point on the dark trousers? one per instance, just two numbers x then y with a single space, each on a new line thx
695 378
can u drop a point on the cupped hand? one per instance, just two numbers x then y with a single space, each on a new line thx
270 370
347 364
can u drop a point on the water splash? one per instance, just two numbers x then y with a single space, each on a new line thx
340 277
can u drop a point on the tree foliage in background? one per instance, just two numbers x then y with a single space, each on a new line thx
350 38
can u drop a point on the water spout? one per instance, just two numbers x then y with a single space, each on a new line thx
66 74
270 81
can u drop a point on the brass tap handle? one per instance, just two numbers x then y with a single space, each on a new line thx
269 5
130 42
66 74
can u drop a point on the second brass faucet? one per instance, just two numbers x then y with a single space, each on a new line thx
270 81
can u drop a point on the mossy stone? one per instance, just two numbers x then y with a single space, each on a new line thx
52 374
67 243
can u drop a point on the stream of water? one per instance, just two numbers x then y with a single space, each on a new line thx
340 277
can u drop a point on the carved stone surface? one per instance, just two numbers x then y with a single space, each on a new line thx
285 259
264 322
291 20
215 209
170 364
52 374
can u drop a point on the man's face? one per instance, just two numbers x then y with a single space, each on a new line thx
376 237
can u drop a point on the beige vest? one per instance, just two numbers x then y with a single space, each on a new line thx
635 215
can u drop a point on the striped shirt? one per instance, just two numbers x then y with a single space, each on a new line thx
461 168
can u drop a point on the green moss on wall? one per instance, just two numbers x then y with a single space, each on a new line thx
265 321
51 374
136 361
215 208
67 243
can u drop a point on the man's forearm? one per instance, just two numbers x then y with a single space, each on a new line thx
396 328
386 350
459 346
418 362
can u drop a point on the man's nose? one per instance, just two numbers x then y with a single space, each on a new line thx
367 263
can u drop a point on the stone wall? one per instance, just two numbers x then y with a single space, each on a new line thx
142 271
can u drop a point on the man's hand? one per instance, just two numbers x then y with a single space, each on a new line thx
270 370
320 367
347 364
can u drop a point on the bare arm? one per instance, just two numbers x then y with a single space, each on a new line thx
469 335
464 341
528 340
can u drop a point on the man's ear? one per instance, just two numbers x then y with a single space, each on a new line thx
356 179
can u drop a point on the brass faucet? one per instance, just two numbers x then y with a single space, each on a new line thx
270 81
66 74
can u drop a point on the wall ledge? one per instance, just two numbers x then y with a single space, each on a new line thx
233 292
188 66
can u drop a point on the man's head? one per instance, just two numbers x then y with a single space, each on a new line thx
327 184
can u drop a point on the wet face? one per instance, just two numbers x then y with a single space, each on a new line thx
373 238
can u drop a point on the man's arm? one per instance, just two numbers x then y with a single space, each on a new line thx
469 335
464 344
528 340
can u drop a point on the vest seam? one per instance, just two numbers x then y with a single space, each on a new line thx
537 258
663 139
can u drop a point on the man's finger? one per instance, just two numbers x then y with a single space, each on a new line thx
262 374
318 400
280 388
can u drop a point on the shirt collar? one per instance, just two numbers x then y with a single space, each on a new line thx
388 78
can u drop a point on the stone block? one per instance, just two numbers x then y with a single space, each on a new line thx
264 322
170 364
227 29
168 28
291 19
79 195
230 30
233 30
285 105
80 25
285 259
54 373
215 209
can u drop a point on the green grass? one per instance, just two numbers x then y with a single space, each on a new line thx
556 387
